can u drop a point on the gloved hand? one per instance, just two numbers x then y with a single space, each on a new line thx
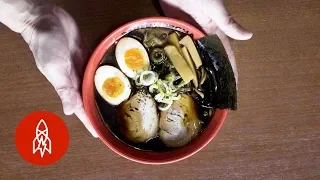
55 42
212 17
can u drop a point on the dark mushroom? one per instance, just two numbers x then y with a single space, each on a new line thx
158 56
155 37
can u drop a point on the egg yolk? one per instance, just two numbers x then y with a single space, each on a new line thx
134 59
114 87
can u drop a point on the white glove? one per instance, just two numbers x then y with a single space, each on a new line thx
212 17
55 42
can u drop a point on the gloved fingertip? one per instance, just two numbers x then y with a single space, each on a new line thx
94 134
91 130
80 113
237 32
246 35
234 30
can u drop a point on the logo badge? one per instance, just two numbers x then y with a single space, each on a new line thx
42 141
42 138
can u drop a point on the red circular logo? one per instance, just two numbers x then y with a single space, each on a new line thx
42 138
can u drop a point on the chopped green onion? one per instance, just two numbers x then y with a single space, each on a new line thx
166 90
148 77
153 87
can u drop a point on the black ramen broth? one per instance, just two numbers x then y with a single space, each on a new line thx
109 113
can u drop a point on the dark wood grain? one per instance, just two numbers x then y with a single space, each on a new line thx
274 134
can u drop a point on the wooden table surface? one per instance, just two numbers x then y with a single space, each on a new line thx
275 134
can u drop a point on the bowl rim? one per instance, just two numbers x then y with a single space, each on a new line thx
107 137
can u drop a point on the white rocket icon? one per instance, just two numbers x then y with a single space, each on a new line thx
42 142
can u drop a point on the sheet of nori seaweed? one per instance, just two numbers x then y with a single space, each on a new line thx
215 59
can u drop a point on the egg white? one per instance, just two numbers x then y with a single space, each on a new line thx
105 72
125 44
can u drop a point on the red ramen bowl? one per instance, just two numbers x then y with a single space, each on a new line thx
131 153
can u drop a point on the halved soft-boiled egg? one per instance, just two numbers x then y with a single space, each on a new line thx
131 56
112 84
